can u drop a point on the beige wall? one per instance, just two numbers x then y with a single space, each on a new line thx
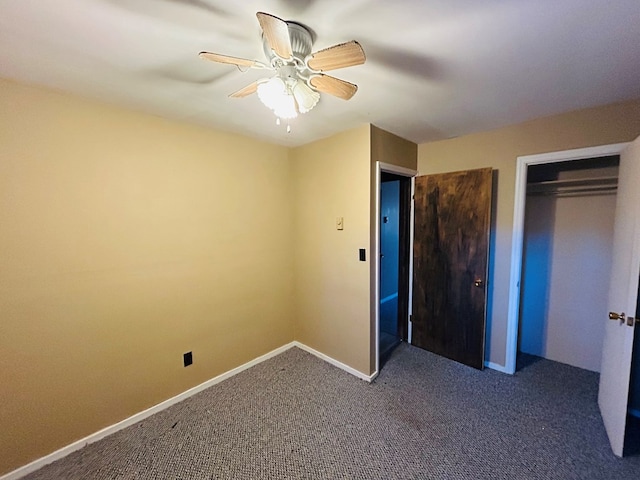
335 177
331 179
392 149
126 241
499 149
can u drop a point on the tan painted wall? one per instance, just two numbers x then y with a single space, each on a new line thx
498 149
331 179
126 241
389 148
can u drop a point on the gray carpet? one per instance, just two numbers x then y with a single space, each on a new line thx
295 416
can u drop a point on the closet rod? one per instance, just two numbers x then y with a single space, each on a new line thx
574 182
577 186
575 193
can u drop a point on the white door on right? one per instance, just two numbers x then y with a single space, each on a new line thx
617 348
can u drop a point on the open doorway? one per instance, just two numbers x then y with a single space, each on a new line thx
390 318
395 194
393 258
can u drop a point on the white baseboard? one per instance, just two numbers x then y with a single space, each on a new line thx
336 363
99 435
492 366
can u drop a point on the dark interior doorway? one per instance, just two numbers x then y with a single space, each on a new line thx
395 210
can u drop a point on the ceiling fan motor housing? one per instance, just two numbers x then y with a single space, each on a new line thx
301 43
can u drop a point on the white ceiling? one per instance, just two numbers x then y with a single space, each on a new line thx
435 68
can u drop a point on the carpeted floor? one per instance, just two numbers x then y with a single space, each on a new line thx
425 417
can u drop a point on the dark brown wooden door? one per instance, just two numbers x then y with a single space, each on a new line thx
450 258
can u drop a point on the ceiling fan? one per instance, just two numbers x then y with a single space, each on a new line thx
299 78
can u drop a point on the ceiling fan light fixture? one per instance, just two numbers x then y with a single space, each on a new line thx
306 98
275 95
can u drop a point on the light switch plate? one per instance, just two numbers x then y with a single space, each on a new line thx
339 223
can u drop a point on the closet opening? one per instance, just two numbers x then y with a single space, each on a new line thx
544 312
566 261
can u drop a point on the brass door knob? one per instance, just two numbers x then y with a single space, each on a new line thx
617 316
478 282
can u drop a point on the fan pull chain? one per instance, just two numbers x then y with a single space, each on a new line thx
278 122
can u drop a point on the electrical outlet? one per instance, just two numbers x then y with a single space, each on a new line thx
188 359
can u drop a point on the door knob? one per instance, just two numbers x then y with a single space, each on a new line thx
478 282
622 317
617 316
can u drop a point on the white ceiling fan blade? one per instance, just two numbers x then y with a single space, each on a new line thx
333 86
276 33
339 56
248 90
241 62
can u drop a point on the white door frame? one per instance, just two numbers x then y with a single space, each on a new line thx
375 258
518 231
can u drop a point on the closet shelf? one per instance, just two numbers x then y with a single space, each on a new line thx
576 186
